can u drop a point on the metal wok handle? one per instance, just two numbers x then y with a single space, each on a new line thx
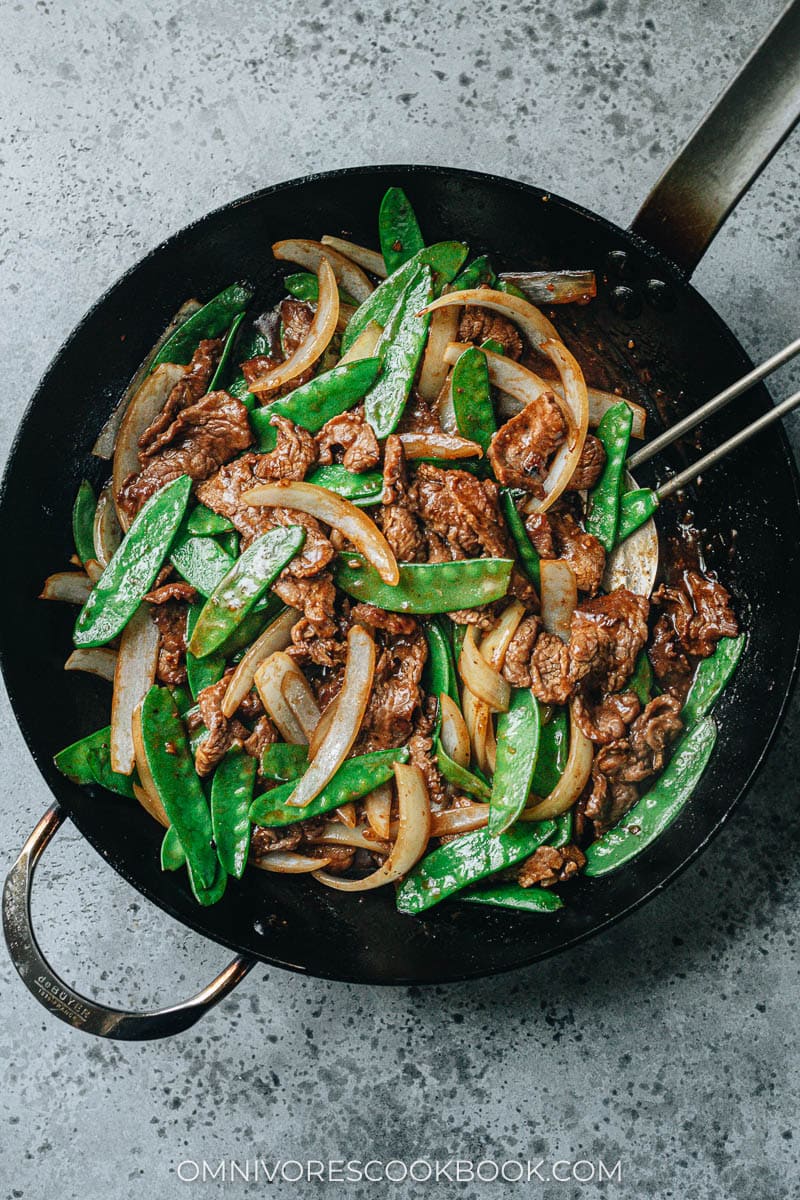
728 150
57 996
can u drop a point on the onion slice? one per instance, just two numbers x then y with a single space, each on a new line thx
285 862
287 697
353 523
370 260
316 340
453 734
559 595
135 673
365 343
460 820
445 409
351 704
142 411
413 833
96 660
277 636
497 641
574 779
439 445
357 836
378 810
321 729
106 531
433 372
478 718
311 255
483 680
73 587
554 287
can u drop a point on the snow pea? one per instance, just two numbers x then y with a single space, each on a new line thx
518 735
400 347
204 522
474 274
553 751
201 672
133 569
398 229
177 784
253 343
200 560
459 863
641 681
440 669
444 259
173 856
460 777
362 490
528 554
315 402
711 677
505 285
243 586
83 521
284 761
426 588
227 351
659 807
563 833
635 508
513 895
355 778
183 698
231 797
229 542
614 432
472 397
215 892
89 761
305 286
210 321
491 344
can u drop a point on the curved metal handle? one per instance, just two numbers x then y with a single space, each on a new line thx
728 150
57 996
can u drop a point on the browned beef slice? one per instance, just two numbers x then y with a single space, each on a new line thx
477 324
264 734
263 840
462 510
200 438
584 553
177 590
186 391
294 452
670 665
590 465
402 531
420 748
418 416
517 665
349 439
315 598
521 449
224 732
608 718
396 694
170 618
609 798
549 865
540 533
550 672
296 317
700 611
606 635
223 494
378 618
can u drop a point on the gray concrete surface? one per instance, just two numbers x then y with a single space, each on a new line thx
671 1042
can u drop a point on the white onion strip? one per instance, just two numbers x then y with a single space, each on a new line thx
356 836
559 595
497 641
478 719
311 255
269 679
378 810
73 587
453 734
346 814
576 775
285 862
135 673
370 260
433 372
364 345
106 531
315 342
96 660
351 704
485 683
413 833
459 820
439 445
276 636
143 409
335 511
321 729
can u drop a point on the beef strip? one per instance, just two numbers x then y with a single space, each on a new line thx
170 618
420 748
295 317
478 324
540 533
396 694
700 611
550 670
378 618
549 865
517 665
349 439
461 510
294 452
397 520
606 719
590 465
188 390
263 839
418 416
316 599
224 732
582 551
670 665
521 449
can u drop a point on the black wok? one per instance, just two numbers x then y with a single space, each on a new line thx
662 343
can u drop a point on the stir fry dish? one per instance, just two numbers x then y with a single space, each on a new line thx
354 578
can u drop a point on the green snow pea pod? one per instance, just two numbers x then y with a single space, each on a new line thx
518 734
711 677
459 863
177 784
323 397
204 522
201 672
474 274
210 321
305 286
208 895
426 588
553 751
362 490
659 807
183 698
252 343
641 681
528 554
635 508
495 347
231 797
83 521
444 259
440 669
505 285
243 586
284 761
400 347
173 856
614 431
355 778
460 777
459 632
200 560
89 761
229 542
563 833
133 569
399 230
472 397
227 352
512 895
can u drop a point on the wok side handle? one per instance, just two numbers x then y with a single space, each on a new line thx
58 997
728 150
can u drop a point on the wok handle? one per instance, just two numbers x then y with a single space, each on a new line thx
728 150
56 996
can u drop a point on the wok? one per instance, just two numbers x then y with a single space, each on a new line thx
659 340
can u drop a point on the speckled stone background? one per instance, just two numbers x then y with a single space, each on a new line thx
670 1042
